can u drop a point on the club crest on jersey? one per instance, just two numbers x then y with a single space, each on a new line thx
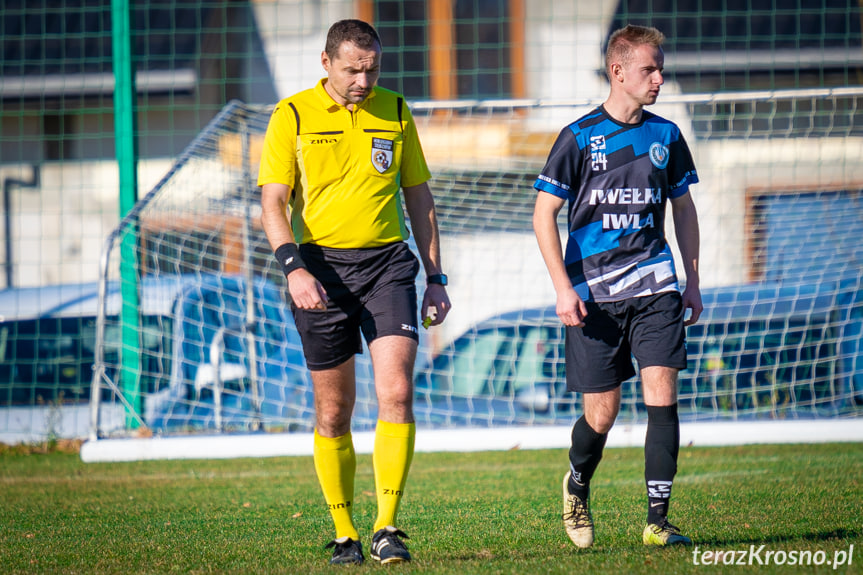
382 154
658 155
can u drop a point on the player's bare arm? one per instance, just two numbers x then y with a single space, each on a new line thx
570 307
419 203
306 292
689 241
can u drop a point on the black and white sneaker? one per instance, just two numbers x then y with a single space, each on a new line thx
346 552
387 547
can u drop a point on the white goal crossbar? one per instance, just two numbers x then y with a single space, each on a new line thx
465 440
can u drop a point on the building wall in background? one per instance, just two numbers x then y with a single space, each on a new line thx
57 114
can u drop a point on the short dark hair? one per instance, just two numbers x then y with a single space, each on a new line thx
622 42
358 32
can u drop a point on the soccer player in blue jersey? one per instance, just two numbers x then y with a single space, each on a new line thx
616 285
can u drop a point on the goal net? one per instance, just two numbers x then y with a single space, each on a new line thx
194 335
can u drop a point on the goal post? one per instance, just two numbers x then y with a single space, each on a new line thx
781 338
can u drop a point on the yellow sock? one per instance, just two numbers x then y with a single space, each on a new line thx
393 452
336 464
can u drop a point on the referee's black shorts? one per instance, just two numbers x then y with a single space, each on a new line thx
599 355
370 290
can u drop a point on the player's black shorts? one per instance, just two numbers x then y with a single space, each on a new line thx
370 290
599 355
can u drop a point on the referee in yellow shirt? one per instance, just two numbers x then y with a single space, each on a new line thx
334 159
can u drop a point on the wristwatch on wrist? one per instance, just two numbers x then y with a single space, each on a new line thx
439 279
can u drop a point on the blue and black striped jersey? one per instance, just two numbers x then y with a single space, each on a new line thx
618 179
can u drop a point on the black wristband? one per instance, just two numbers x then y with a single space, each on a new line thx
439 279
288 256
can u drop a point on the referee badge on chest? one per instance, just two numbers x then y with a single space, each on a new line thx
382 154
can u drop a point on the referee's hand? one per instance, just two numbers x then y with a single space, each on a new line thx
306 292
436 299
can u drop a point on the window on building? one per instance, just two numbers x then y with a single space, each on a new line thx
462 50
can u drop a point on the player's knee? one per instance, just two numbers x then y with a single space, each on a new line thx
601 422
333 420
398 404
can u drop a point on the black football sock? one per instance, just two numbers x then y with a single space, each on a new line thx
584 455
660 459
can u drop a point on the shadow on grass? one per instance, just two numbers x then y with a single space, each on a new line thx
840 534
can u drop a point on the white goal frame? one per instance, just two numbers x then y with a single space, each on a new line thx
834 143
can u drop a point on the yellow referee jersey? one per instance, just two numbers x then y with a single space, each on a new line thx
345 168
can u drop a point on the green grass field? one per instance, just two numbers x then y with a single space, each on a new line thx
495 512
